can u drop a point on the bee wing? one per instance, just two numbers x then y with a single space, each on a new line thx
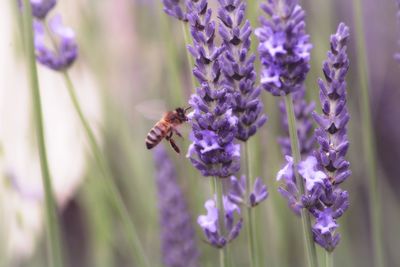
152 109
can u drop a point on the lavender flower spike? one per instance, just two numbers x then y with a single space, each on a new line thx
178 240
214 125
209 223
284 47
175 8
66 47
40 8
333 142
238 67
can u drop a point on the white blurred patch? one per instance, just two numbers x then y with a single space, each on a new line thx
21 194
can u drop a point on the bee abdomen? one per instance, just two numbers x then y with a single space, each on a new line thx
156 134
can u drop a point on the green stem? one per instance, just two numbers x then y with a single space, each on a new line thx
190 61
305 216
53 232
328 259
221 219
252 244
368 137
108 180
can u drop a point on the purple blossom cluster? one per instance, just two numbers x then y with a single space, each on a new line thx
62 38
284 47
305 130
211 225
238 67
214 124
178 242
333 143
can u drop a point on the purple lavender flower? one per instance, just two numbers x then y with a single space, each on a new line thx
210 224
333 142
40 8
304 122
175 8
66 47
214 126
177 233
237 192
238 67
284 47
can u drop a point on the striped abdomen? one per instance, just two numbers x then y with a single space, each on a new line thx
157 133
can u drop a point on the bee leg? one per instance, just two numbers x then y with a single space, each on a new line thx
174 146
169 136
178 133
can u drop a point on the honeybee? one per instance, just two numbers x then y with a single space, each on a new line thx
166 127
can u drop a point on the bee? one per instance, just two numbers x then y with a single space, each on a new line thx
166 128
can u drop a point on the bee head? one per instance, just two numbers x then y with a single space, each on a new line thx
182 113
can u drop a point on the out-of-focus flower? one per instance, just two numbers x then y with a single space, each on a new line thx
40 8
397 55
333 142
214 126
175 8
237 193
66 49
304 123
238 67
210 223
178 240
284 47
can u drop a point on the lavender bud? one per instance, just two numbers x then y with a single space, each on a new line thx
237 192
175 8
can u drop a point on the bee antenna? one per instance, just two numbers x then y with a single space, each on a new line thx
186 109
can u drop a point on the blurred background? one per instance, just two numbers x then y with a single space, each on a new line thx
131 68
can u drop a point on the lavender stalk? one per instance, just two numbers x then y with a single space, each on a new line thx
368 138
285 54
239 74
213 151
54 238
